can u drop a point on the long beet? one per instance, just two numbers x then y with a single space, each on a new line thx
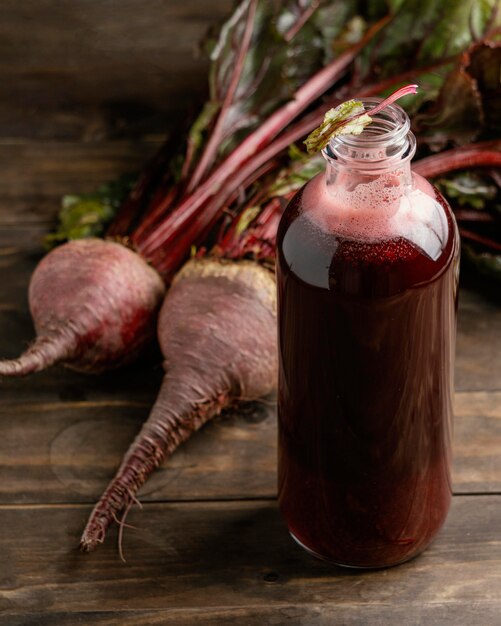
217 331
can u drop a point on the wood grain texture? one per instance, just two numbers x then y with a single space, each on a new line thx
68 450
96 83
477 442
34 176
459 613
235 558
478 348
89 69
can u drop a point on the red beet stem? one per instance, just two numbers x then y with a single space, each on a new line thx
179 244
400 93
44 352
484 241
162 203
179 240
258 241
196 225
176 251
313 120
136 201
255 142
293 133
155 179
472 215
212 146
301 20
483 154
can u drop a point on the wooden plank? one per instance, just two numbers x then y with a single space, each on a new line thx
68 450
478 349
477 442
93 68
459 613
237 557
34 176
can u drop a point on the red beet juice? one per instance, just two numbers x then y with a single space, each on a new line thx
367 291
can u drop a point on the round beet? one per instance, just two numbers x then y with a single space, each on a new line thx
217 331
94 305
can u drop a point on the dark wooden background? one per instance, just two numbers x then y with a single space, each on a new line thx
88 88
100 69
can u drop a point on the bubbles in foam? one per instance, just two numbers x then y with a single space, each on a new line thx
377 210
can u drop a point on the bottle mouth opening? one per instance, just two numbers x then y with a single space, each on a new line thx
386 140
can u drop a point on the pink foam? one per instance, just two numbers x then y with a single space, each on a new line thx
378 210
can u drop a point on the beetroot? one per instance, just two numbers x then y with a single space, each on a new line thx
217 331
94 304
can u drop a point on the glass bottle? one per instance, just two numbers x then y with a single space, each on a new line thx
367 277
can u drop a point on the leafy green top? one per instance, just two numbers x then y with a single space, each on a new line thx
87 215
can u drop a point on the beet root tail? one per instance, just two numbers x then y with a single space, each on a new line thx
217 332
156 441
44 352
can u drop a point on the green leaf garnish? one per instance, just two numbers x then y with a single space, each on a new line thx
349 118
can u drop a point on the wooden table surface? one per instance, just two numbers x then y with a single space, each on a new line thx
208 546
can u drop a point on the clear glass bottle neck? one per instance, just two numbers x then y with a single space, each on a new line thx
384 148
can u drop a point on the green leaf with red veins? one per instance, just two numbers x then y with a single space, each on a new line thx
469 103
284 49
348 118
421 33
